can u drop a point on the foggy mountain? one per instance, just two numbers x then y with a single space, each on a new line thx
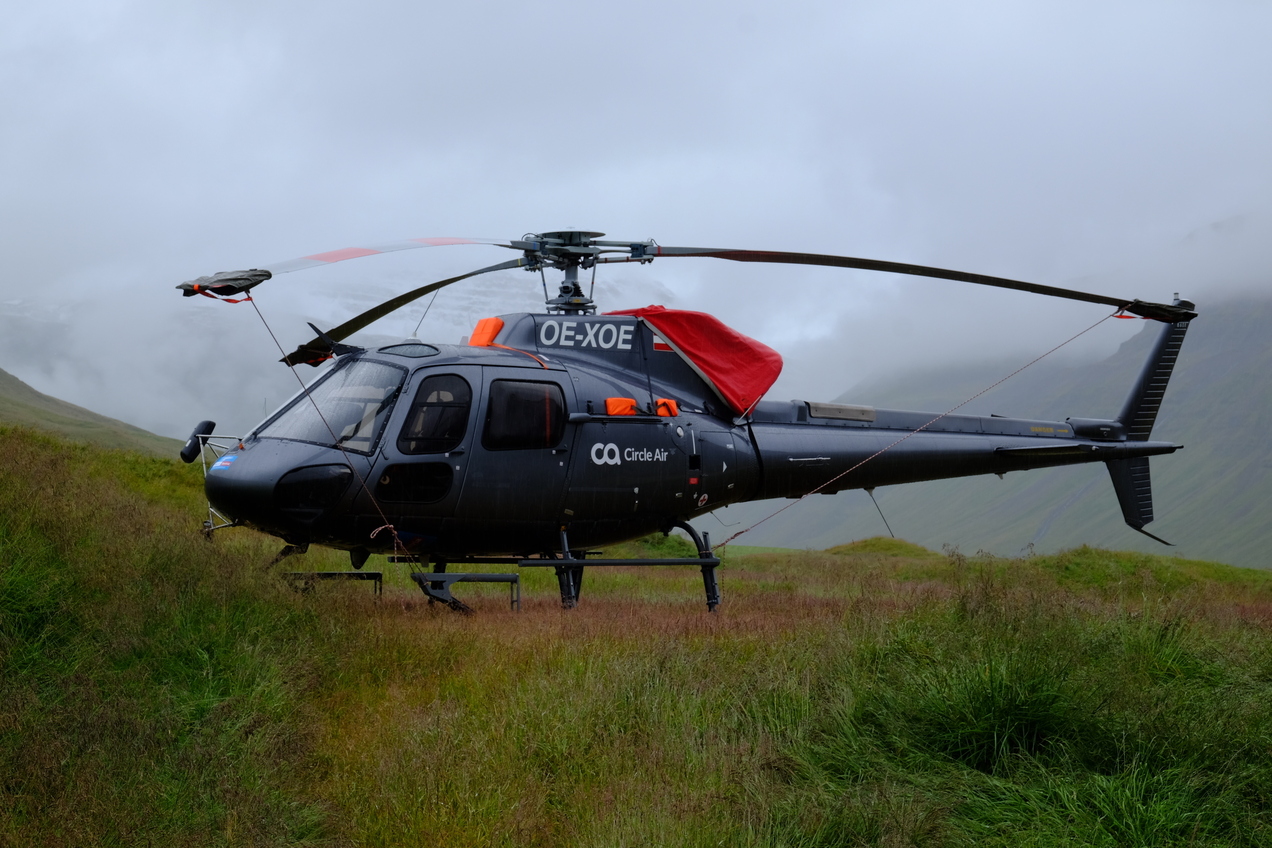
23 406
1113 148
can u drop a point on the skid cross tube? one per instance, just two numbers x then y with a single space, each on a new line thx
708 562
569 576
569 568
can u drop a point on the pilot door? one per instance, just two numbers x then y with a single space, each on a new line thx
425 454
517 469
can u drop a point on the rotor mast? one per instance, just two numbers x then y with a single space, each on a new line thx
570 300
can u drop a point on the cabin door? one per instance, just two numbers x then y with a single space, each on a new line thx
517 468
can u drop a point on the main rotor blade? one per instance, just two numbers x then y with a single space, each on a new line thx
341 255
1158 311
317 350
227 283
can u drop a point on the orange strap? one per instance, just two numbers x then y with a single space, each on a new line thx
519 350
206 293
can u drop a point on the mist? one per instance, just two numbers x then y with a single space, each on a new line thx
1120 150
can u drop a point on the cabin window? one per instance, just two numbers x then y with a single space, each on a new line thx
346 408
524 415
438 418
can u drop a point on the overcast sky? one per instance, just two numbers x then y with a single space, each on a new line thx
1123 148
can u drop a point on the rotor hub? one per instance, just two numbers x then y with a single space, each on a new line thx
567 251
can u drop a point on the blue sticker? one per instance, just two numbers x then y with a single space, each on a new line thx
224 462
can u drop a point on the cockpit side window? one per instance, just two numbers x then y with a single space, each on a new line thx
523 415
438 418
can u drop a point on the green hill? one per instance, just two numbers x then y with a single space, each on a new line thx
23 406
160 689
1210 499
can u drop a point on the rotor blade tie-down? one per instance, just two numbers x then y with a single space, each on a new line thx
398 545
222 298
431 300
884 450
371 315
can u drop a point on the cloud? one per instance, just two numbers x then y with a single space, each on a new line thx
1117 149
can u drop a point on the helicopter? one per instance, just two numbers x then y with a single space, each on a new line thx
549 434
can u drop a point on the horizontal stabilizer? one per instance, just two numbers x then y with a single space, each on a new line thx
1078 449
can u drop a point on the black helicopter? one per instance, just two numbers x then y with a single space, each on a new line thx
549 434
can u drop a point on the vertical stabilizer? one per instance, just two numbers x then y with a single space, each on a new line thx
1140 412
1131 478
1134 492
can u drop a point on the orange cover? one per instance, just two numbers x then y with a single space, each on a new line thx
620 406
485 332
739 368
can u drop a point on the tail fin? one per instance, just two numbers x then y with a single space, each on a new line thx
1134 492
1140 412
1131 476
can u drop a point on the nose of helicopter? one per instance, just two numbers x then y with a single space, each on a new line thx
279 487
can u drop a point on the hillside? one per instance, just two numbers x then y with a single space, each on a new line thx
160 689
1209 499
23 406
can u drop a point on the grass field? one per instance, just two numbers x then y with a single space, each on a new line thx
159 689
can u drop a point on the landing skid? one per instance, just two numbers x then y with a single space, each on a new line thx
569 564
437 586
303 581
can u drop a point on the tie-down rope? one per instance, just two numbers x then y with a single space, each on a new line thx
884 450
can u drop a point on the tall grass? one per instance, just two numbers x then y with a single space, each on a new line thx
159 689
149 692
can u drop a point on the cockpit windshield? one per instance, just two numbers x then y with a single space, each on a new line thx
354 401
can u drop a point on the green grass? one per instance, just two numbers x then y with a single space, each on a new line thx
150 690
160 689
884 547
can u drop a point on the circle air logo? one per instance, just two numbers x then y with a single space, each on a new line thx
605 454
